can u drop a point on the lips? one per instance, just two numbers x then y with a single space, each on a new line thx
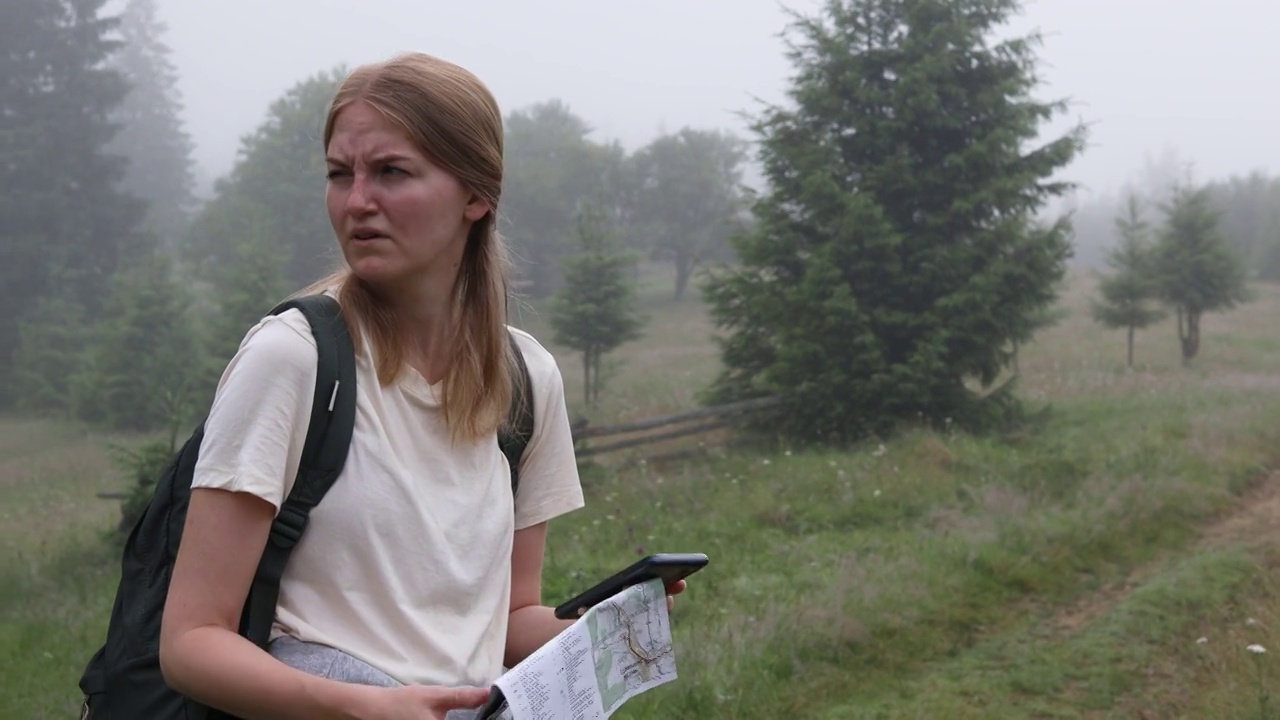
366 234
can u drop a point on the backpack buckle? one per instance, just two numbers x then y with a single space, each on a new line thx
287 528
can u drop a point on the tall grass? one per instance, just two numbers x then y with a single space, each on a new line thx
1065 571
58 573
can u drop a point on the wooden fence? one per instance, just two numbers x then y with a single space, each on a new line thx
643 432
667 427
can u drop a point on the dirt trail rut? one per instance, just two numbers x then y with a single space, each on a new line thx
1253 522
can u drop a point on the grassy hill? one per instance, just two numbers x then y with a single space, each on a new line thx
1113 562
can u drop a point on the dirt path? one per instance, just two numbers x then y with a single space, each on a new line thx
1253 522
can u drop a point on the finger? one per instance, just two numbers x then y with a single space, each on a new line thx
461 698
677 587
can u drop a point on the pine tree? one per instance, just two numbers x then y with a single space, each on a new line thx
1127 293
51 348
67 225
594 311
160 168
896 256
1197 271
142 366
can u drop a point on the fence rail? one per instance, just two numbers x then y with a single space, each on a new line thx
681 424
642 432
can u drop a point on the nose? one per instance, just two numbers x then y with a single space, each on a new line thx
360 197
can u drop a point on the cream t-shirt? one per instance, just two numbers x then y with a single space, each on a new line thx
406 562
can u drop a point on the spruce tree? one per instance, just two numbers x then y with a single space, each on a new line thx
141 369
160 169
896 256
1128 292
51 350
1198 272
594 311
67 224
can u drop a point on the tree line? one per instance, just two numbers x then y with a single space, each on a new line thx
896 259
1247 208
130 294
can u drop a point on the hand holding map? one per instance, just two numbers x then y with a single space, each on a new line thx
620 648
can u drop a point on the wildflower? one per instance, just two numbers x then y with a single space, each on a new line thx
787 453
1202 640
1250 622
765 461
875 494
1256 649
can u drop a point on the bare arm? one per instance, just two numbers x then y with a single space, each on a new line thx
201 653
532 624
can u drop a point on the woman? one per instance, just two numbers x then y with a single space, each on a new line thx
416 570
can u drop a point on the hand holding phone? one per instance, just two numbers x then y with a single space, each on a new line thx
671 567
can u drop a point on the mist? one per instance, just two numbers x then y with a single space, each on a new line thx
972 412
1148 76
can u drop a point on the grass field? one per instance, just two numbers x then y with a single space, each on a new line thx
1114 563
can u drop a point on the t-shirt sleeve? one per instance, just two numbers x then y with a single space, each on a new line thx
256 428
549 482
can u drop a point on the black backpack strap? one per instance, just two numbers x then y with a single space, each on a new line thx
333 413
514 436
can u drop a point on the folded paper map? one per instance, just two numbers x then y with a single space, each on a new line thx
617 650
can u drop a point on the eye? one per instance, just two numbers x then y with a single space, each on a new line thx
393 171
334 174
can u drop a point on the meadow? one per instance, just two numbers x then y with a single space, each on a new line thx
1113 560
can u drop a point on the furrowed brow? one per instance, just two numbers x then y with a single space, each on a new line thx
389 158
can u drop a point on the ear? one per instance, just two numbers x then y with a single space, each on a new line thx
475 209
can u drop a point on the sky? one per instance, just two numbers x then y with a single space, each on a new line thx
1190 79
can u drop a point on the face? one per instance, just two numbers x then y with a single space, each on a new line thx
401 221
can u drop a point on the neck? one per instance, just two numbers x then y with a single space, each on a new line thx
424 313
427 326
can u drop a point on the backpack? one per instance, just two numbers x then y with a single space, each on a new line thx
122 680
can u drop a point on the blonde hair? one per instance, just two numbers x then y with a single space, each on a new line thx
449 114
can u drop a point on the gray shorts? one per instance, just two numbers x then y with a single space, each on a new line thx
327 662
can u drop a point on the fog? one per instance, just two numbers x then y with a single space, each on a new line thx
1150 76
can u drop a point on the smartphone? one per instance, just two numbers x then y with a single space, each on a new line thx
668 566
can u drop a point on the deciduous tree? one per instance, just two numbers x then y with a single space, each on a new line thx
689 198
276 190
